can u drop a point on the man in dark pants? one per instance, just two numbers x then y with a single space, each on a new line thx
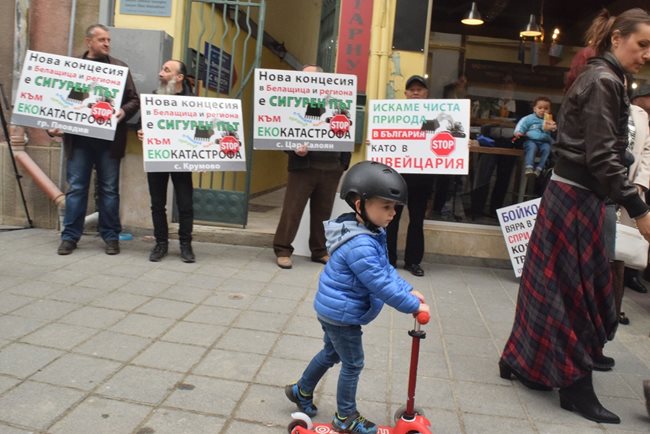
419 190
172 82
313 176
85 153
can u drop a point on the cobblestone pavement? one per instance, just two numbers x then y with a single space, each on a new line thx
91 343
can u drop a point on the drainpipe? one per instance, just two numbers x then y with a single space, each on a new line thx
379 49
17 143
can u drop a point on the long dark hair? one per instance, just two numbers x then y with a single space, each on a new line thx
599 34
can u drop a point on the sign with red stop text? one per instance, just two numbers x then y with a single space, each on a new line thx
420 135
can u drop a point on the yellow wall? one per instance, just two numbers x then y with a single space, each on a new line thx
295 22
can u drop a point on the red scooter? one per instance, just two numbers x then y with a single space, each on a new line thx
408 420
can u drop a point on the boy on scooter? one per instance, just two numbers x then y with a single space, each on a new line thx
354 285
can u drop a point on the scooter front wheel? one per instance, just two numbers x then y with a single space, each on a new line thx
400 412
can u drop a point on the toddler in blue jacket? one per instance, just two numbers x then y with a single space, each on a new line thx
537 128
353 287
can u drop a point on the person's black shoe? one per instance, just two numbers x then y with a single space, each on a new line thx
112 247
187 254
66 247
506 372
623 319
634 283
415 269
603 363
159 251
581 398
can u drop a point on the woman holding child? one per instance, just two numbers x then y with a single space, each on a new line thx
565 309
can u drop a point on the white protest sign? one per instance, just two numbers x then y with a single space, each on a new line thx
517 222
190 134
294 108
77 96
420 135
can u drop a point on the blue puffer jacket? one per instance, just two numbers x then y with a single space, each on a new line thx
358 278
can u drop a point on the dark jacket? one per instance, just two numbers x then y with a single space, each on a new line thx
301 163
593 134
130 105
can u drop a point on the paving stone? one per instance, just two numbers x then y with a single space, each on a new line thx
22 360
213 396
103 282
488 399
167 421
265 321
121 301
7 383
94 317
250 341
77 371
77 294
143 385
185 332
101 416
35 288
485 424
213 315
113 345
239 427
165 308
142 286
10 302
230 365
186 293
142 325
169 356
45 309
61 336
36 405
234 300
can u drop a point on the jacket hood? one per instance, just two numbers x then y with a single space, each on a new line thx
346 226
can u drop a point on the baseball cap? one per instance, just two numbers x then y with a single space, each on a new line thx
642 90
416 79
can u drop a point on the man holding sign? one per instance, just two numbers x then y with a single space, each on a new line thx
173 81
83 153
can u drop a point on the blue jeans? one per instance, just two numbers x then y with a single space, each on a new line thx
342 344
530 149
82 159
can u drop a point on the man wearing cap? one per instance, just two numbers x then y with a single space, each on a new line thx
419 189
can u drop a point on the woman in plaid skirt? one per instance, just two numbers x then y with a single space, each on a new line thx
565 308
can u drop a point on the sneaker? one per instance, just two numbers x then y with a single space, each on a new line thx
187 254
538 172
66 247
355 423
159 251
304 402
284 262
529 171
415 269
112 247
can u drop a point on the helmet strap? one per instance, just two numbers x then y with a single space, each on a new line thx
366 221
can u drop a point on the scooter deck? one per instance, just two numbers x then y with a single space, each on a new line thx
324 428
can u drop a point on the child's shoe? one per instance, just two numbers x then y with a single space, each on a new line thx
304 402
538 172
354 423
529 170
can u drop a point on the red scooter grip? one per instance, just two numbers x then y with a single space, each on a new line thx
423 317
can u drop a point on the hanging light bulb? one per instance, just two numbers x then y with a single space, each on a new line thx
473 17
532 28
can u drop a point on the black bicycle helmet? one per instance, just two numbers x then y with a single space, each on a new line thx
370 179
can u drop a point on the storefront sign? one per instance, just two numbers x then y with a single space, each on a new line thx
192 134
517 222
420 135
74 95
295 108
156 8
219 72
354 40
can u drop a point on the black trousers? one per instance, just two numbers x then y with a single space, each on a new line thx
183 191
419 190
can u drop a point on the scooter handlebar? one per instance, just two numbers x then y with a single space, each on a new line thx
422 317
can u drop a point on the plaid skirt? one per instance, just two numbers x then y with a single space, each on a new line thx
565 308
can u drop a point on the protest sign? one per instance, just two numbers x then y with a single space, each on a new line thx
295 108
517 222
75 95
420 135
191 134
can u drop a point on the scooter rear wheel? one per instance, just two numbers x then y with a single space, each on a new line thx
296 423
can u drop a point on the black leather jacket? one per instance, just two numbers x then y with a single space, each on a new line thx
593 134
